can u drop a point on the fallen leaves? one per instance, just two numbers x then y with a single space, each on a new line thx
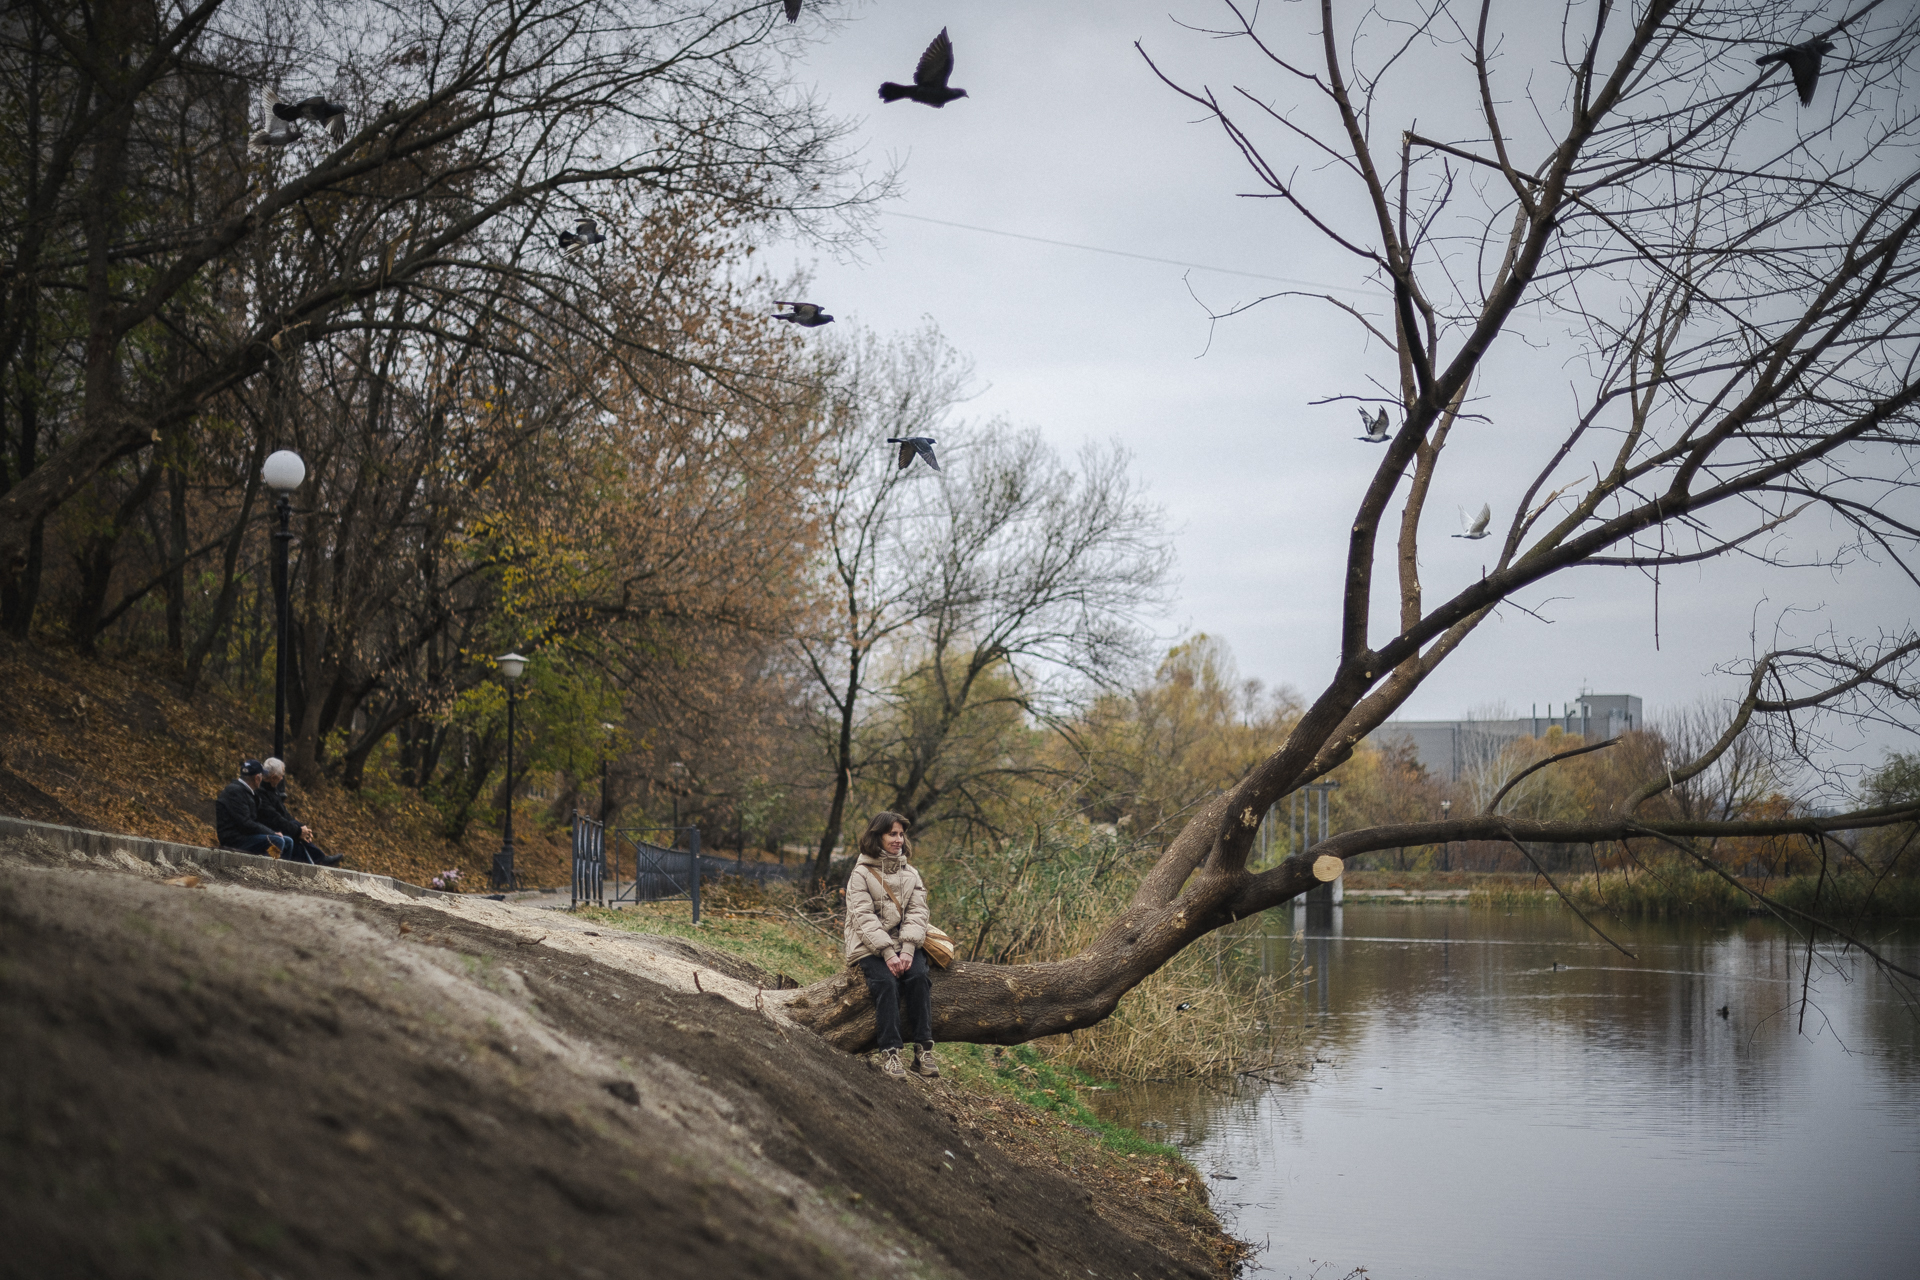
64 712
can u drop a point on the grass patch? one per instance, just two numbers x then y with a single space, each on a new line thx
775 944
1022 1074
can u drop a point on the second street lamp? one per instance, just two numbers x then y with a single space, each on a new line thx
283 473
511 665
606 757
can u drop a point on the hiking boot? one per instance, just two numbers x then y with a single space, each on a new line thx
924 1063
890 1063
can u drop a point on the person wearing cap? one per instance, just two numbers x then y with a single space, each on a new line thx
272 810
236 815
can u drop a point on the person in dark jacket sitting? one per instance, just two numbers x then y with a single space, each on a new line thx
236 815
272 798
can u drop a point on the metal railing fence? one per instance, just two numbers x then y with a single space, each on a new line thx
656 872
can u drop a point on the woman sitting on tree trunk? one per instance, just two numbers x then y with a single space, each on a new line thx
886 930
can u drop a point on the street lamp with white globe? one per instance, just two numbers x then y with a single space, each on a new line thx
511 667
283 472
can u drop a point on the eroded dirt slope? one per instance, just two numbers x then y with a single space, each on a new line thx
250 1079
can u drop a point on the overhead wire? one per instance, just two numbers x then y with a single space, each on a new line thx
1122 253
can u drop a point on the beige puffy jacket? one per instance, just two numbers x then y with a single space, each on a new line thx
874 924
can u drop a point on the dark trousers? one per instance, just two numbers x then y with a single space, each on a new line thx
304 852
262 842
911 988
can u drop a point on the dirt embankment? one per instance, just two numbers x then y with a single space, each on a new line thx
256 1079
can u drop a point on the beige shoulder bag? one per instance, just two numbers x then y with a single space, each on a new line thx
938 946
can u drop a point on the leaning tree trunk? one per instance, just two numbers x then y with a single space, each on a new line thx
1012 1004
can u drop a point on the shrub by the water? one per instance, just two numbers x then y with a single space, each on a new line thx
1852 895
1671 890
1659 891
1209 1010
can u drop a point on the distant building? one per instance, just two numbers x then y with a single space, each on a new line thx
1448 748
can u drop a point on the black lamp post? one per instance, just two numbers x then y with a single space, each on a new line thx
1446 846
511 665
283 473
606 757
679 771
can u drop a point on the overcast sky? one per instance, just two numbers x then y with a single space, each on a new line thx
1067 136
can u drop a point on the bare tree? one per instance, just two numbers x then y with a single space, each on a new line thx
870 390
1032 579
1731 276
995 588
1742 776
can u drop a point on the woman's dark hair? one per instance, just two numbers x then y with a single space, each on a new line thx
881 824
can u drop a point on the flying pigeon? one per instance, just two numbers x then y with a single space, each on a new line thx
910 445
805 314
1478 529
1376 428
1804 61
929 78
793 10
584 233
279 132
319 109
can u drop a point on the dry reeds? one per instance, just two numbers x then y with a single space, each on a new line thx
1208 1011
1212 1009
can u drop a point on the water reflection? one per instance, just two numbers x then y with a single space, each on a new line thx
1506 1095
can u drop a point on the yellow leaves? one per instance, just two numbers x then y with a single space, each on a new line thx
1196 729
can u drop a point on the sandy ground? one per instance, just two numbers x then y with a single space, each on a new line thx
252 1078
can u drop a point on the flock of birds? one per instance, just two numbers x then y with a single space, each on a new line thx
930 87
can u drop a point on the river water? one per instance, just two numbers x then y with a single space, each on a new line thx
1503 1095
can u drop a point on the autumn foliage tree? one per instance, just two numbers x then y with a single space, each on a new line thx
590 456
